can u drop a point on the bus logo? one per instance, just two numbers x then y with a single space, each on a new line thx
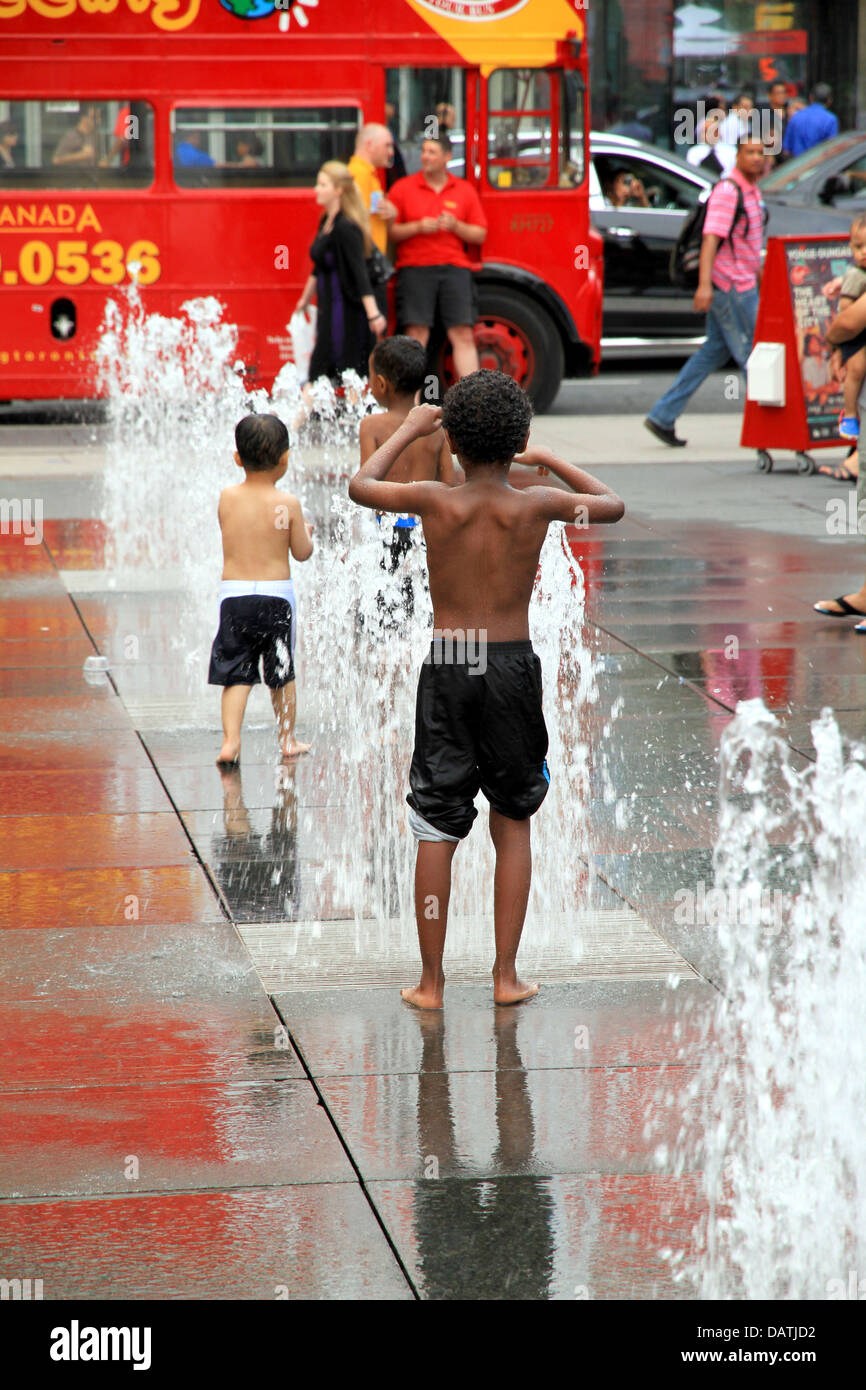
249 9
476 11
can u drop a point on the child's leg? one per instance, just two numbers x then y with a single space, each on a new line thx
432 893
853 382
284 703
234 702
511 880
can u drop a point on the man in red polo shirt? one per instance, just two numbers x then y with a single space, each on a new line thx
437 216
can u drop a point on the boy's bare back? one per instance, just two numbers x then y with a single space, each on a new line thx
483 543
260 526
483 537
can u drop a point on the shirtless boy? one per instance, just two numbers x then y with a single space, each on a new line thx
398 367
260 526
479 728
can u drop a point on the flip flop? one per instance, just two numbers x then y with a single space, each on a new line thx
848 610
861 628
839 475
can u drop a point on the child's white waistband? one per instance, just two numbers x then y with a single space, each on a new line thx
270 588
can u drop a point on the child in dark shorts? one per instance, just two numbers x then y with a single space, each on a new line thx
397 371
260 526
478 720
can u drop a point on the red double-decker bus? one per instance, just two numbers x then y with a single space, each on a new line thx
177 142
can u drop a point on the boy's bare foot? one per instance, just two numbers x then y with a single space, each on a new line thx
425 996
290 748
229 754
511 990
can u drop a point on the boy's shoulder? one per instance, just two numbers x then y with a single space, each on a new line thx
381 424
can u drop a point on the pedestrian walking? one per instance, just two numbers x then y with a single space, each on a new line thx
812 124
727 292
438 218
776 114
348 316
711 153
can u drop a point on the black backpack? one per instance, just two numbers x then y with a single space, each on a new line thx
686 255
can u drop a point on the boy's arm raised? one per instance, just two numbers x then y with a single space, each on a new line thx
300 532
367 437
447 471
368 487
588 500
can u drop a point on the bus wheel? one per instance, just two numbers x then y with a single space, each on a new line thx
515 336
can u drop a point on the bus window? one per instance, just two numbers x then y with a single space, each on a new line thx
259 147
76 144
426 100
519 128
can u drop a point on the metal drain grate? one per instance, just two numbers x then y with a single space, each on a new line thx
591 945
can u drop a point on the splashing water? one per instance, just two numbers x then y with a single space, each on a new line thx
174 397
776 1115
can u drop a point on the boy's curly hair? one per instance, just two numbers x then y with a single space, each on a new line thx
487 416
261 441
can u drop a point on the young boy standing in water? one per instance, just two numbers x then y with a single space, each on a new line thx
478 718
260 526
398 366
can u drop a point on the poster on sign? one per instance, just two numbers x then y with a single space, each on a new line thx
812 270
799 300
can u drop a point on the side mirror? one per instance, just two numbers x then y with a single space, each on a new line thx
832 187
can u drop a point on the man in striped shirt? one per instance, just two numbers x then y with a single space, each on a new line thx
727 291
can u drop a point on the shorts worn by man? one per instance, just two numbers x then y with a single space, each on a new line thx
438 218
727 291
478 719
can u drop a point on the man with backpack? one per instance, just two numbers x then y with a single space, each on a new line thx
719 251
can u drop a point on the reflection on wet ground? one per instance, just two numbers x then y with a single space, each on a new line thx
145 898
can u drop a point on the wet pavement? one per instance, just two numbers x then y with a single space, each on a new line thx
210 1087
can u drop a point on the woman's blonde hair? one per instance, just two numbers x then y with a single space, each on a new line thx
351 202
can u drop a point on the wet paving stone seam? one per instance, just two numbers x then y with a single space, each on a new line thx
212 883
377 1216
684 681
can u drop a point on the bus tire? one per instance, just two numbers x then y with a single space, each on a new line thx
514 335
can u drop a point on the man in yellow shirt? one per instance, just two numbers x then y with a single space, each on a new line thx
374 150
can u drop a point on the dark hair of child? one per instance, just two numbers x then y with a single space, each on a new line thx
486 416
402 361
261 441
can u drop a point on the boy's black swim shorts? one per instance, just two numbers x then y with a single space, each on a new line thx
478 724
253 628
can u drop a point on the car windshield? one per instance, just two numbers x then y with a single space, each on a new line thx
800 170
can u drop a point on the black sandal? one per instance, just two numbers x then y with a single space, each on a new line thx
839 475
848 609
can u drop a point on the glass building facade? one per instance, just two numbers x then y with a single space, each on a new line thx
652 58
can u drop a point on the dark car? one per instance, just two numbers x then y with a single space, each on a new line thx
830 178
643 312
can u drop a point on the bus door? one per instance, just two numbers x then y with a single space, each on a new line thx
539 251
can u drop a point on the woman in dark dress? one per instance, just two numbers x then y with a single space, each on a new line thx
348 319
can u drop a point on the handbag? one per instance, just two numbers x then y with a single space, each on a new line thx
379 268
